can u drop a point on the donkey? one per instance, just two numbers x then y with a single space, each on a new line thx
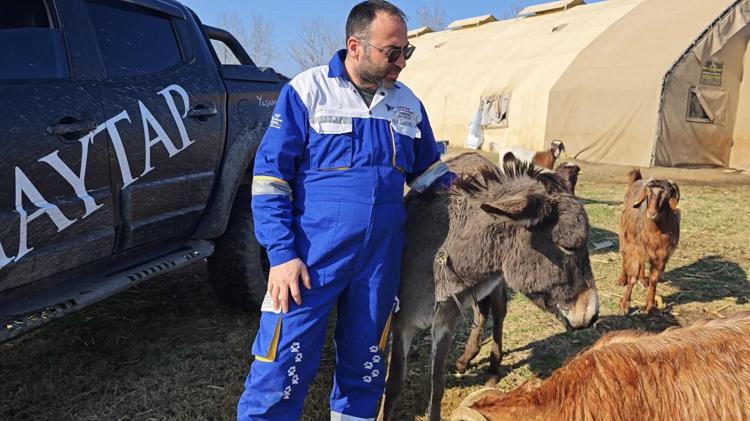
512 227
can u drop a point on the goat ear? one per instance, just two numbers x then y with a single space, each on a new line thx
641 197
674 198
524 210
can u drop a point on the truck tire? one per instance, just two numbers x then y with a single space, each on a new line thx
238 269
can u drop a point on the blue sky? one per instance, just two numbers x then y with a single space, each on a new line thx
286 16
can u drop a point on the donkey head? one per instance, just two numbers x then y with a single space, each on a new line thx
544 231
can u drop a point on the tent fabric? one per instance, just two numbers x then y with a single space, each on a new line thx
548 7
595 76
711 69
419 31
740 157
471 22
520 58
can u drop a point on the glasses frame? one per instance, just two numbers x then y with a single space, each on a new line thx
389 52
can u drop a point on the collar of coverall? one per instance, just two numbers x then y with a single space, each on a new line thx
336 66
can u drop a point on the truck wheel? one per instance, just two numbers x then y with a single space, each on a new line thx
238 269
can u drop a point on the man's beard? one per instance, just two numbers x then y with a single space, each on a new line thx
370 73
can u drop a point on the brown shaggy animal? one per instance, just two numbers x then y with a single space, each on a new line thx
701 372
649 231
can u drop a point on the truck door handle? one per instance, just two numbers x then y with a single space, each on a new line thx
202 111
71 125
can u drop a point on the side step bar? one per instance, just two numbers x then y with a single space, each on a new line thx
23 312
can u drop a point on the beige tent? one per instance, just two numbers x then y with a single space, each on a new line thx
633 82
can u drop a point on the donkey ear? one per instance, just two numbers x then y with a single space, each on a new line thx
527 210
641 197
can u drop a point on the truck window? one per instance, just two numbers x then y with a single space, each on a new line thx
133 40
31 44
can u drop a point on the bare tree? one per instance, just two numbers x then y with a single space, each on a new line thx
433 16
316 44
511 11
260 44
258 40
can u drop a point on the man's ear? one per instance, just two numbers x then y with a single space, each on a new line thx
525 210
353 48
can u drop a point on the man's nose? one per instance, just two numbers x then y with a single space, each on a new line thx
400 61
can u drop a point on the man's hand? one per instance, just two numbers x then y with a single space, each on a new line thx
283 279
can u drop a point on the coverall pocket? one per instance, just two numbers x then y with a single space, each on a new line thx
331 144
403 138
267 339
315 231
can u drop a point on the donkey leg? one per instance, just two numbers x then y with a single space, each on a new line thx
499 300
442 333
481 311
403 334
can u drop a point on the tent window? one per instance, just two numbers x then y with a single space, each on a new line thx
495 110
707 104
696 112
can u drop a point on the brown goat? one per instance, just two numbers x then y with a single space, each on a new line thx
649 230
699 372
545 159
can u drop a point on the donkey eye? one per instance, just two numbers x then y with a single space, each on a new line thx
568 251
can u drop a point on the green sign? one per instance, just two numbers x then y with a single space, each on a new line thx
711 74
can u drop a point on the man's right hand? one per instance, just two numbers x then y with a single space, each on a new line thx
284 279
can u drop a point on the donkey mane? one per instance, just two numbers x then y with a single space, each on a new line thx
474 184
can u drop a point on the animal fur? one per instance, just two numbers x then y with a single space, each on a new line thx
649 232
701 372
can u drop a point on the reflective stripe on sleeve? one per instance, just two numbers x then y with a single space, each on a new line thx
432 173
266 185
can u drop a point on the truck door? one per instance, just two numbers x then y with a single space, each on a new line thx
166 102
55 197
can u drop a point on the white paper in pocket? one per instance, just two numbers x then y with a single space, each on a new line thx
268 304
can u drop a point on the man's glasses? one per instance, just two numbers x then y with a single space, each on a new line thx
394 53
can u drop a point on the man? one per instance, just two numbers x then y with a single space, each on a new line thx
328 206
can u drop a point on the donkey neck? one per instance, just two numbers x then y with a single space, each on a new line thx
472 242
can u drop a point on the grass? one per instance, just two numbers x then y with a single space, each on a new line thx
169 350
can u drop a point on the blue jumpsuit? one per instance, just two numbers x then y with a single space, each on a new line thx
328 188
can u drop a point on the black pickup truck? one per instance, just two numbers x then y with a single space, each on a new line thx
126 152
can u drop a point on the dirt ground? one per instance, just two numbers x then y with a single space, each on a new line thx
169 350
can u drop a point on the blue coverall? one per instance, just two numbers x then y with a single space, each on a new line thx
328 188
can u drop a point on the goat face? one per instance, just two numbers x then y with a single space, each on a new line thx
557 148
658 195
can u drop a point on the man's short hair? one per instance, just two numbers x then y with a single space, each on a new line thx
362 15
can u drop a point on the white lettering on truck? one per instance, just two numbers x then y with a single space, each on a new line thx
25 188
